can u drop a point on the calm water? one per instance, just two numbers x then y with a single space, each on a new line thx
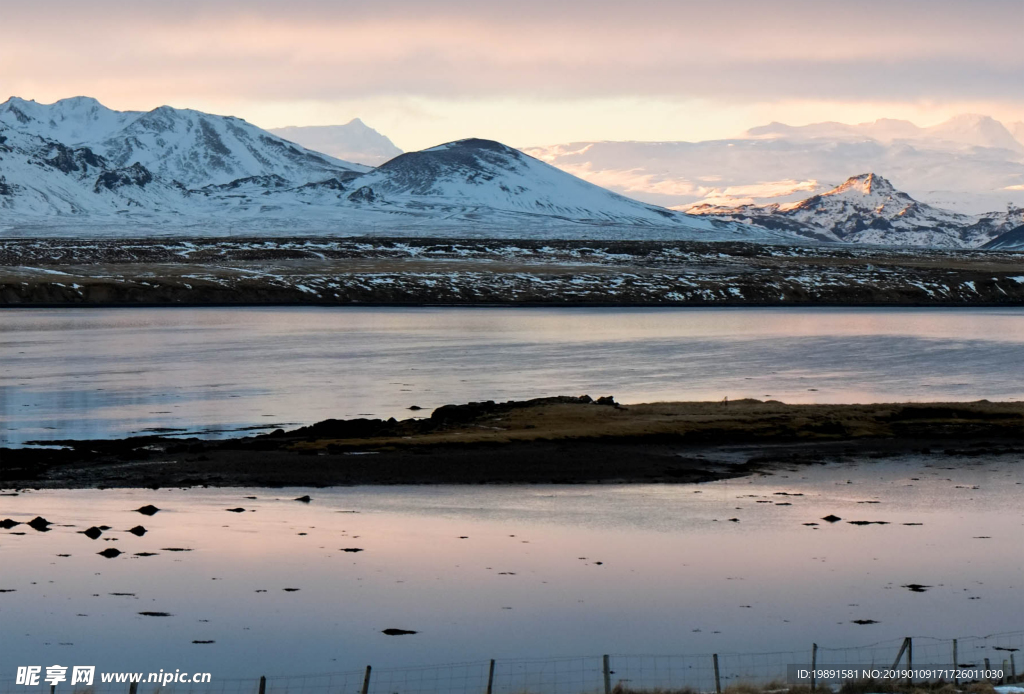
104 373
511 572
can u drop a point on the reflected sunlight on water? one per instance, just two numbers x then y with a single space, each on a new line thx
113 372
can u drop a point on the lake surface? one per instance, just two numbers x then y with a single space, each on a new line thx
517 571
100 373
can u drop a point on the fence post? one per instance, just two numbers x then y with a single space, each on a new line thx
718 680
263 684
956 665
133 688
1006 672
490 678
814 667
899 656
1013 668
910 659
607 675
987 667
366 680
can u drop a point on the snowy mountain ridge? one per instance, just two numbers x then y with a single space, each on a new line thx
868 209
78 165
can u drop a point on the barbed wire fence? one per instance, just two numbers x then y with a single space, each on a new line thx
710 672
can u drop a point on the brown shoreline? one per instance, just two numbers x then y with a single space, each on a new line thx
550 440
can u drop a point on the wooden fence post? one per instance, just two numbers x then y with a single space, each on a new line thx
718 679
490 678
910 659
366 680
1013 668
899 656
814 666
987 667
606 666
263 684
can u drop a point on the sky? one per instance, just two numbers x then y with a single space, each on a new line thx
530 72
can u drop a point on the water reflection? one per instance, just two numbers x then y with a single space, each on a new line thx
101 373
583 569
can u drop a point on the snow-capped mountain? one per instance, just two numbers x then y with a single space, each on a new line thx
182 145
970 164
868 209
78 165
471 175
355 141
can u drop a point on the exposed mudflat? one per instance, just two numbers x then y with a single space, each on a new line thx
548 440
373 270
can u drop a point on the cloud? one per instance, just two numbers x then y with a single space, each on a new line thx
309 49
758 193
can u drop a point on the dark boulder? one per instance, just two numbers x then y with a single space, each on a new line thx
39 523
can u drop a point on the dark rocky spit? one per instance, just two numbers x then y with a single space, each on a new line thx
548 440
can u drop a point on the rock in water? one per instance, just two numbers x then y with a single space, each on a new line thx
398 632
147 510
39 523
138 531
304 499
92 533
110 553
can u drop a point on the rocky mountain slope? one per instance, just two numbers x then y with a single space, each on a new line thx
868 209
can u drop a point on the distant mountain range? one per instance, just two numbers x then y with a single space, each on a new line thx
76 166
354 141
970 164
867 209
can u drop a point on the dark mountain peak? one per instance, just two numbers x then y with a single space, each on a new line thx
476 144
473 161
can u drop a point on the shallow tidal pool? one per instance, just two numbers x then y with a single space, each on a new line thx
513 571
